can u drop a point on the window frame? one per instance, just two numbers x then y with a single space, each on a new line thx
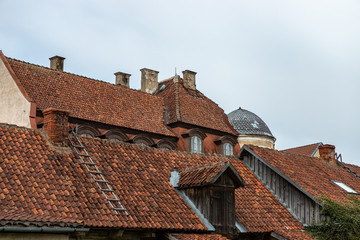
222 141
188 136
87 129
196 144
345 187
225 149
116 135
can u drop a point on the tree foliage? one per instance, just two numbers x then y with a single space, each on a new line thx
341 221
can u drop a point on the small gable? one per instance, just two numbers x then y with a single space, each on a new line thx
220 174
212 189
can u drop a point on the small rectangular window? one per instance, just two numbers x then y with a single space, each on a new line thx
345 187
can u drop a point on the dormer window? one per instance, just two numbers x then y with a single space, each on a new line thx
196 144
166 144
226 145
211 188
228 149
116 135
345 187
194 139
87 131
143 140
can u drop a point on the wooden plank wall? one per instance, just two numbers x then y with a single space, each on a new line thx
304 208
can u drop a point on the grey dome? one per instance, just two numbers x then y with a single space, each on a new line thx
246 122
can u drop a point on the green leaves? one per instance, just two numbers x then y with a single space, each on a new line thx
341 221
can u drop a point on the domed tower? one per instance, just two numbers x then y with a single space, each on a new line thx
252 130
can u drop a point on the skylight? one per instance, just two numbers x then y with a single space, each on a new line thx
345 187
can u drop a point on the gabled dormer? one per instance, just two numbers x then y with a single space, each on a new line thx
212 190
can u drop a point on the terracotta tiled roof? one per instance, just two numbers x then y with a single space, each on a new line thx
43 182
35 179
206 174
14 215
307 150
312 174
200 175
197 237
192 107
353 168
91 99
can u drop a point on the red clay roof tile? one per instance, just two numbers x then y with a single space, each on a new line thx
199 175
307 150
91 99
354 168
312 174
192 107
44 182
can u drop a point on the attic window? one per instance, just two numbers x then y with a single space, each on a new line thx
196 144
228 149
345 187
194 139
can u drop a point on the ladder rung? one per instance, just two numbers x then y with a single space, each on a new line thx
89 163
106 190
100 181
119 209
84 154
113 199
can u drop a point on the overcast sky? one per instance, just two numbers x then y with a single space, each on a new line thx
296 64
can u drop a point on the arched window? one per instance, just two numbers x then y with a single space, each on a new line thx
194 139
116 135
86 134
166 144
228 149
196 144
143 140
114 139
87 131
226 145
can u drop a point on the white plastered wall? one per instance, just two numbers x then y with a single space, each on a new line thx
256 140
14 107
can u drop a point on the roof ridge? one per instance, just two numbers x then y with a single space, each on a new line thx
167 80
282 152
202 167
7 125
78 75
301 146
351 164
177 101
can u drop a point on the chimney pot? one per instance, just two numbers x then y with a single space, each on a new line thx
327 153
56 126
57 63
149 80
189 79
122 79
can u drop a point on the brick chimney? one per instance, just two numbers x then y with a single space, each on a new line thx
189 79
57 63
122 79
56 126
149 80
327 153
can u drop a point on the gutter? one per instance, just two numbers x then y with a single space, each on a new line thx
43 229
